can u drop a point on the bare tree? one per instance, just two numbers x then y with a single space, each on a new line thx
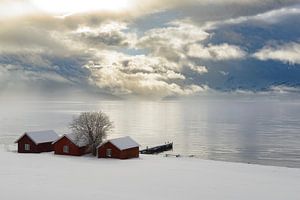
91 127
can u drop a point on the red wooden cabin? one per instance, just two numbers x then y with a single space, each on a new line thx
121 148
69 145
36 142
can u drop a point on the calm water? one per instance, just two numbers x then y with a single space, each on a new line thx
251 130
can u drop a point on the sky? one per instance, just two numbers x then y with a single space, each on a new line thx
149 48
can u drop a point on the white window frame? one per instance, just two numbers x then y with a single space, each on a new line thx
27 147
66 149
108 153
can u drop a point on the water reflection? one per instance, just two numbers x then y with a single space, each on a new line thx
255 131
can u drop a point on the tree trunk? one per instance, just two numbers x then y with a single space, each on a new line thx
94 150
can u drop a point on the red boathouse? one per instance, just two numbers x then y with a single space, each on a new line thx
69 145
36 142
121 148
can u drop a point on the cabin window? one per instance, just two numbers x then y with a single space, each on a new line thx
27 147
108 152
66 149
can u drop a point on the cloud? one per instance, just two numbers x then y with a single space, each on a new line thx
41 55
283 89
177 34
14 79
224 73
10 8
19 38
39 67
144 48
73 56
141 84
203 11
171 41
200 10
110 34
269 17
139 75
216 52
39 58
286 53
199 69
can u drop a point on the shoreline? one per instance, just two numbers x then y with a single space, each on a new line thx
13 148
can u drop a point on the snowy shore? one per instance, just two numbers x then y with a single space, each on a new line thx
47 176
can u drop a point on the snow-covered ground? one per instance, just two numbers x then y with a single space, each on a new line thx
50 177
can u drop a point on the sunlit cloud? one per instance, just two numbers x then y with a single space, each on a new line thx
269 17
216 52
287 53
199 69
139 75
109 34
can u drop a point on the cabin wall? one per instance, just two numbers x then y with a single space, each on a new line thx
26 140
130 153
116 153
34 148
74 150
45 147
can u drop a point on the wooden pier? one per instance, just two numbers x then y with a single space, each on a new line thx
158 149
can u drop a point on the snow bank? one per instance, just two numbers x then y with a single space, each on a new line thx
47 176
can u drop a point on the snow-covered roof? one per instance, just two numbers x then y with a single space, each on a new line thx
124 143
73 138
39 137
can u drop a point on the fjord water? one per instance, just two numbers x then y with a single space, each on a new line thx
240 129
